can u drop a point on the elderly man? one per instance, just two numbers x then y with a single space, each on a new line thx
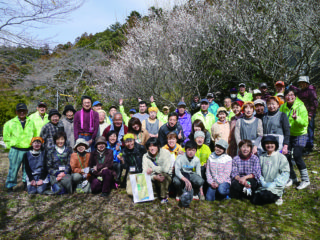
40 117
86 122
17 135
243 95
118 126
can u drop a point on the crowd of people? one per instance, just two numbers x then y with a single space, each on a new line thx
243 149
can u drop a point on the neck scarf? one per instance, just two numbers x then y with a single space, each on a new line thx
59 149
91 120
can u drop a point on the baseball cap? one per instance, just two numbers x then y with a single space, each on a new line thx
233 90
279 83
210 95
259 101
181 104
132 110
242 85
21 106
204 100
263 85
96 103
166 107
40 103
256 91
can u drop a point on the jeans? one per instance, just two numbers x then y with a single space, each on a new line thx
37 189
195 180
87 138
223 189
311 133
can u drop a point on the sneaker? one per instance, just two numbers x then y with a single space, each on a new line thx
178 198
164 200
196 197
303 185
291 181
279 202
202 197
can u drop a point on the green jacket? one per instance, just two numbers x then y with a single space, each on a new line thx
38 121
300 125
162 118
125 117
16 136
246 97
231 114
208 121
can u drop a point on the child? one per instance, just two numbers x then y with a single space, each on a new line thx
221 128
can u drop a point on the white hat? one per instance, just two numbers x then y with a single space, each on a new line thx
260 101
256 91
304 79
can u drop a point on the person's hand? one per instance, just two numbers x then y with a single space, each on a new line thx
243 181
118 147
309 118
39 183
33 183
120 101
247 185
214 185
285 149
95 168
188 184
62 174
294 114
180 136
104 169
90 142
159 178
151 99
254 149
58 178
182 99
153 135
139 99
149 171
82 171
180 152
120 158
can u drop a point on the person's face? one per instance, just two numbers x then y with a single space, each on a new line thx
112 111
86 104
272 105
218 150
60 142
153 150
263 90
197 129
227 103
242 89
172 121
97 107
136 127
42 109
117 121
233 95
142 108
290 98
181 109
236 109
210 99
69 115
54 119
222 116
270 147
257 96
191 152
36 145
259 109
112 139
279 88
129 144
152 115
196 99
172 142
303 85
245 150
22 114
199 141
81 148
204 106
248 111
165 111
101 147
102 116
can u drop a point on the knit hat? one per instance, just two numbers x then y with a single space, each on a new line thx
21 106
153 109
199 134
128 136
37 139
222 143
304 79
260 101
79 142
101 139
68 108
222 109
269 138
53 112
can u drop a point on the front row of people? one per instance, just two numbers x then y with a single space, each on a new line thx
245 176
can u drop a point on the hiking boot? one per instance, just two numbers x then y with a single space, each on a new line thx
303 185
178 198
279 201
291 181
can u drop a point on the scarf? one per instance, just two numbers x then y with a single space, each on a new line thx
121 132
35 153
59 149
101 153
91 120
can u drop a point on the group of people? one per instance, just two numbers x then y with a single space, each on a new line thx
243 149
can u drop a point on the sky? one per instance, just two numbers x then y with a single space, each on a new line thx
94 16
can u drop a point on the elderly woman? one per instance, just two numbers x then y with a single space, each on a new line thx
297 114
246 172
141 135
102 122
79 162
152 124
101 165
67 121
221 128
218 171
249 127
198 125
58 164
157 163
274 173
37 175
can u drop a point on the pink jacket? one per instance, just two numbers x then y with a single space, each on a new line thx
219 169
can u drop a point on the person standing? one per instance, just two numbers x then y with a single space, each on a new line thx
118 126
40 117
204 115
86 122
264 92
213 106
163 117
67 122
142 114
17 135
280 87
243 95
184 119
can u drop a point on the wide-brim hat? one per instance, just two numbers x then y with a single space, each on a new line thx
68 108
79 142
269 138
222 109
101 139
304 79
53 112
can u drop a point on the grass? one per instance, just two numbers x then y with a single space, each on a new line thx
81 216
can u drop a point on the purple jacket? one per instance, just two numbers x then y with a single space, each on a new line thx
185 122
309 97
